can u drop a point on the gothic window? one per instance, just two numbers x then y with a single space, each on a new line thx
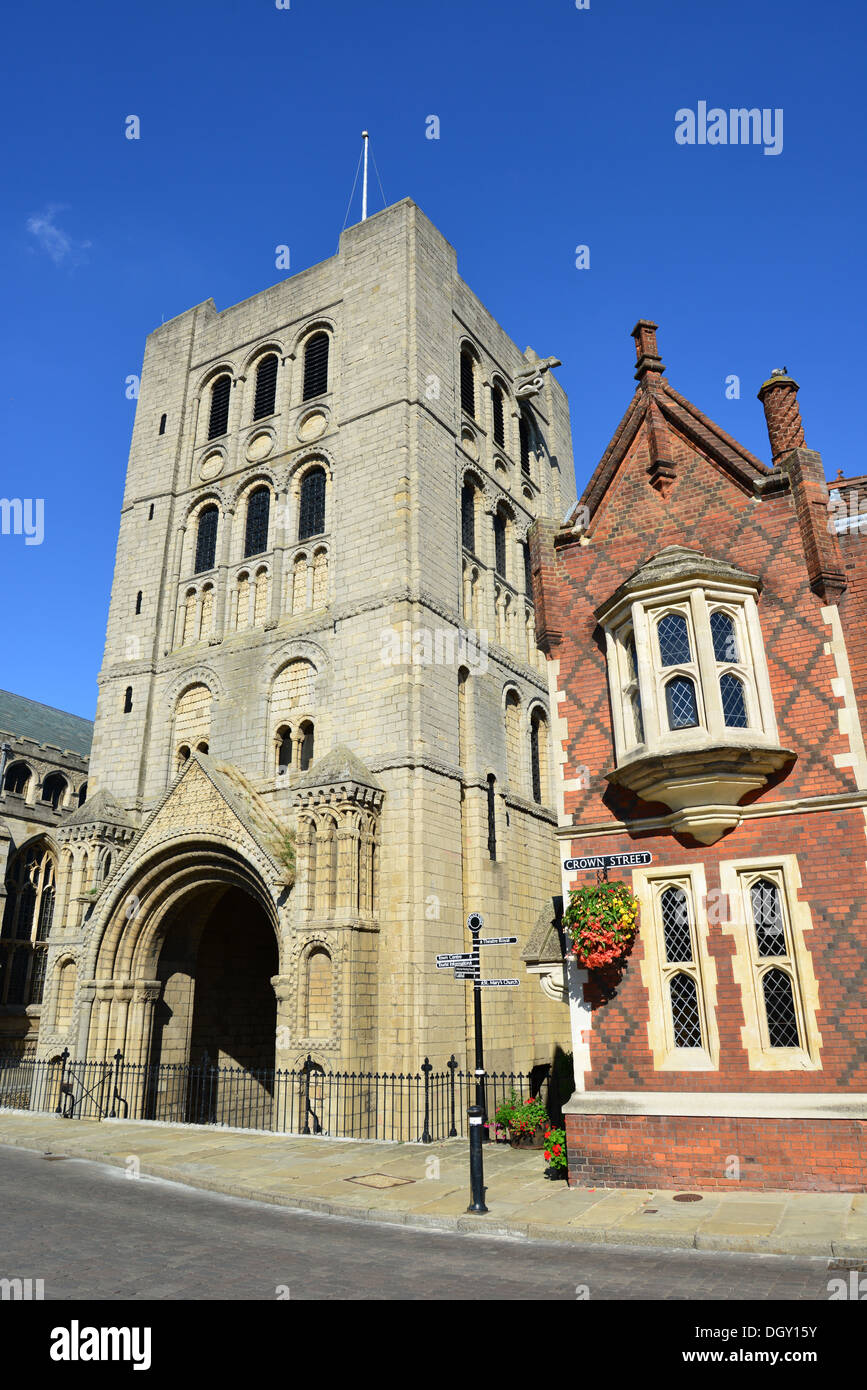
468 517
54 790
492 816
316 366
82 794
499 417
734 704
16 779
722 631
468 383
218 421
680 703
685 1017
206 538
676 977
258 511
673 640
266 387
780 1009
30 889
312 504
771 942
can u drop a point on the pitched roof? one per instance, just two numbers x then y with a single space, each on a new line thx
23 718
655 408
102 809
340 764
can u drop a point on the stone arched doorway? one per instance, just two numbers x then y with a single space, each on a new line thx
217 1003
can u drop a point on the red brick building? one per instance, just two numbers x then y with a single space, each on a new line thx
704 615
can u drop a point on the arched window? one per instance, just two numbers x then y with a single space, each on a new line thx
734 702
492 816
218 421
319 1018
524 442
138 602
258 513
320 578
284 750
468 518
106 868
299 584
768 918
262 595
725 643
463 716
306 757
82 794
242 612
499 416
16 779
27 919
539 757
202 747
127 700
680 703
311 519
500 541
316 366
266 387
780 1009
207 610
513 740
675 926
162 424
673 639
206 538
54 790
183 756
685 1016
192 721
468 383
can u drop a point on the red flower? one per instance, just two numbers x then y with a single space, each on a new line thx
557 1149
547 1156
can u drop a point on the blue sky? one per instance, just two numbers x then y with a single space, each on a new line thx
556 130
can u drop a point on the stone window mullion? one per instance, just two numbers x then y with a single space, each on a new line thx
705 661
647 681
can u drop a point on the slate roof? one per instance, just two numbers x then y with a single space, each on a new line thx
22 718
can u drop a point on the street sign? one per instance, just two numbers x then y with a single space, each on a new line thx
466 974
499 984
475 922
454 958
498 941
608 861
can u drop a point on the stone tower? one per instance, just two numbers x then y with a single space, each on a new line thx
321 704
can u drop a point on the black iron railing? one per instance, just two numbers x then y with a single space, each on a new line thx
423 1106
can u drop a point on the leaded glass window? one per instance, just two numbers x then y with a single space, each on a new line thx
685 1016
780 1009
680 703
673 639
734 703
675 926
768 918
725 645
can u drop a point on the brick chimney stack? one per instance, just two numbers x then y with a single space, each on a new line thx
806 474
779 396
649 366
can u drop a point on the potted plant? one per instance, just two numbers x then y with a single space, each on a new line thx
602 921
555 1153
524 1119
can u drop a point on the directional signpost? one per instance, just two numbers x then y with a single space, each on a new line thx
467 965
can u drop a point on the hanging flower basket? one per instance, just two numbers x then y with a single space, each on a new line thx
602 921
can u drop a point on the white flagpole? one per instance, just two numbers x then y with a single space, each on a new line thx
364 137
